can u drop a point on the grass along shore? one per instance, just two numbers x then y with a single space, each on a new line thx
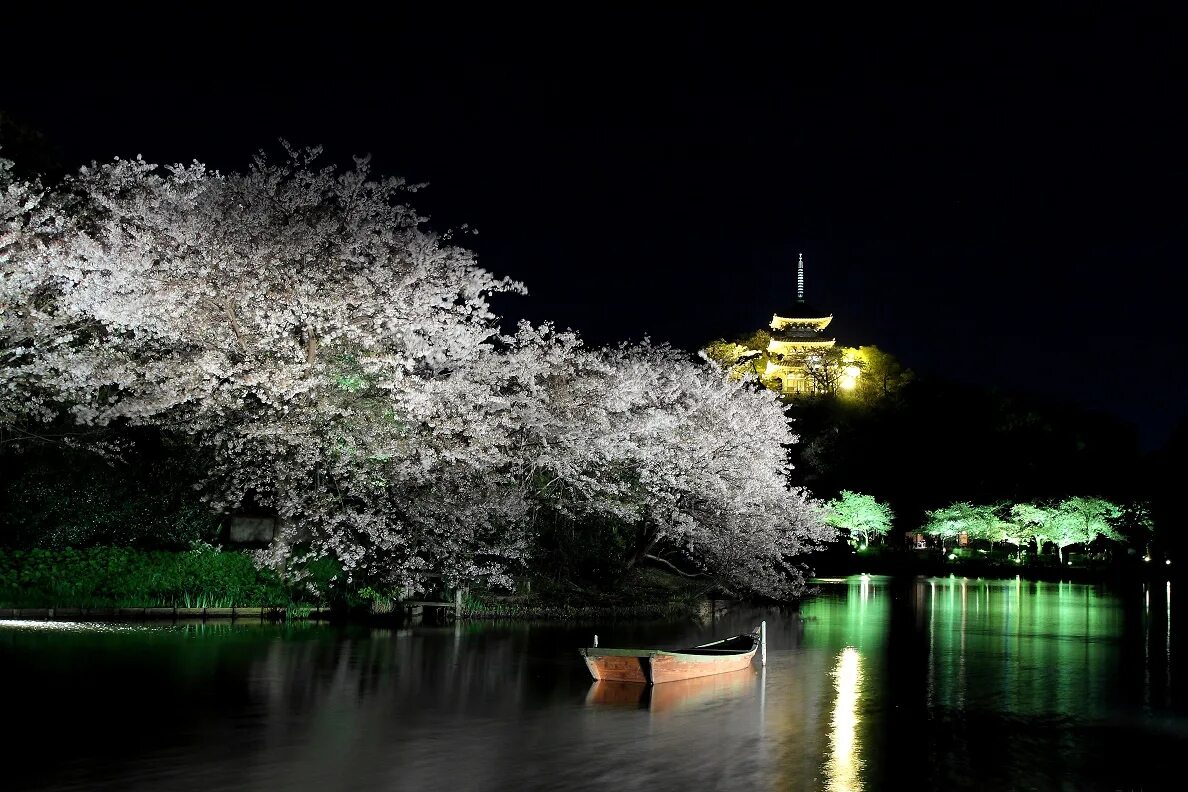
126 583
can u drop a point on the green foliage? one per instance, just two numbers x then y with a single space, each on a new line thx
747 356
725 353
1136 522
593 551
757 341
824 368
977 522
861 515
73 499
124 577
1072 521
321 579
349 375
351 383
882 374
1083 520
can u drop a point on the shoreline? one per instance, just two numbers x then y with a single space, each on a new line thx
397 614
245 614
493 607
903 565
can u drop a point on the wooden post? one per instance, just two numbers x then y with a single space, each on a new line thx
458 603
763 643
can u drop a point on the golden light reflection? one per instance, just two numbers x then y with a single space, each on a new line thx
845 760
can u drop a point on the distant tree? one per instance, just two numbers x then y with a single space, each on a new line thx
725 353
948 522
1136 523
1032 523
975 521
861 515
881 374
736 359
1081 520
757 341
744 356
826 368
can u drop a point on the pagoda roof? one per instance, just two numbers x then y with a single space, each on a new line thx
800 323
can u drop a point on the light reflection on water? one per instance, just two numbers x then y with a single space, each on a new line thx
67 626
936 683
845 760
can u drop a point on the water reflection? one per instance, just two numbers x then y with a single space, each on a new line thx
685 694
1023 648
69 626
877 683
844 759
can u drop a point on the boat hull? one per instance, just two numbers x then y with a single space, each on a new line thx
654 667
617 667
672 667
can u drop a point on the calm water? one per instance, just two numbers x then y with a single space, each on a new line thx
875 684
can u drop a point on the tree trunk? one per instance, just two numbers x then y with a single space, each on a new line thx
645 541
311 348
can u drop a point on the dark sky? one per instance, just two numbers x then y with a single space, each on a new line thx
995 199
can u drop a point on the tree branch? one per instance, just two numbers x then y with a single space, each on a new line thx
672 566
230 312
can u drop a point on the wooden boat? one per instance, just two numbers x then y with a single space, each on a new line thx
654 666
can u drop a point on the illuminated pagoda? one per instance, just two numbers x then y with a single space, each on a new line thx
797 342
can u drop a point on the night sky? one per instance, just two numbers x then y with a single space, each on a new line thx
996 200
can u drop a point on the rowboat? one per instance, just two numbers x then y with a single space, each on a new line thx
654 666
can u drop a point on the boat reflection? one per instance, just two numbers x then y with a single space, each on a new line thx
674 696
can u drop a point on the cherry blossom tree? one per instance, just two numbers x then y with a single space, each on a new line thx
692 461
23 227
339 364
295 321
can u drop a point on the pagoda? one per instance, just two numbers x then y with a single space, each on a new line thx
795 340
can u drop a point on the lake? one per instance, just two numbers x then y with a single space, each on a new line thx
874 684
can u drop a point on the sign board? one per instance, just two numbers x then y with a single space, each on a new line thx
253 529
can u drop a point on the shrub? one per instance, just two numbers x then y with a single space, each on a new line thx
124 577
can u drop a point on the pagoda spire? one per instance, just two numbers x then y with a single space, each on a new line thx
800 279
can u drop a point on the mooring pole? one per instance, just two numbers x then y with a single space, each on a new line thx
595 640
763 643
457 603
